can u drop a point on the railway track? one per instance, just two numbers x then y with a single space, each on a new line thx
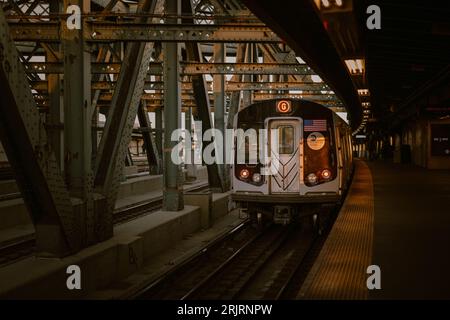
269 263
23 248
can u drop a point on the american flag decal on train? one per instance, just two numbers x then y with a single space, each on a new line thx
315 125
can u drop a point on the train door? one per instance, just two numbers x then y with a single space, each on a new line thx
287 178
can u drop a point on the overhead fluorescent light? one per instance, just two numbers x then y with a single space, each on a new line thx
363 92
355 66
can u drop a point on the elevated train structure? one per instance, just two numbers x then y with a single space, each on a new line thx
349 118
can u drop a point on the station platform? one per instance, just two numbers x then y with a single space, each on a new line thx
397 217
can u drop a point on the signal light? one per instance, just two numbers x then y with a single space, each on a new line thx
326 174
244 174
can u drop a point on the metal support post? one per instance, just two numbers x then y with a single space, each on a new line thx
55 117
120 119
201 98
173 193
190 167
153 159
159 125
36 171
78 121
219 111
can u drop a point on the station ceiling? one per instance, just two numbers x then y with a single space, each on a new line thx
411 48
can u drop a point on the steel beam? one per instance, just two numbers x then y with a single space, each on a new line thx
313 97
236 95
219 110
107 32
279 86
173 193
78 121
77 109
202 100
249 58
54 85
158 126
24 139
120 119
229 86
191 169
151 149
188 68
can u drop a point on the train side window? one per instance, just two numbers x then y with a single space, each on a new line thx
286 139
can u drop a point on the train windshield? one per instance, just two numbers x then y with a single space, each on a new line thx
285 139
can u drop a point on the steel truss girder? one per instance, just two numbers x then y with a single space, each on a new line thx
279 86
192 102
230 86
200 89
140 32
256 96
187 68
120 119
312 97
151 150
25 141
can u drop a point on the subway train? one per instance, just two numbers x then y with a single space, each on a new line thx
304 160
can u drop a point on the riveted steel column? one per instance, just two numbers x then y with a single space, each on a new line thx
55 116
173 195
200 89
219 109
190 167
159 129
154 161
77 108
236 95
120 120
249 58
25 141
78 122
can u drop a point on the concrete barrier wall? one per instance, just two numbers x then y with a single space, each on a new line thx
102 264
14 212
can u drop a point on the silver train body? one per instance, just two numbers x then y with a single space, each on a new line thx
314 160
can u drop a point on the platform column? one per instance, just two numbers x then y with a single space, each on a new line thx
173 195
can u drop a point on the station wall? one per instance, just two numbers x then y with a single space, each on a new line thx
429 142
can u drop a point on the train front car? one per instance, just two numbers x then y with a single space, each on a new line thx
302 162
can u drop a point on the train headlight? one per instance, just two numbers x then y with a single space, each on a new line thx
256 178
326 174
312 178
244 174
